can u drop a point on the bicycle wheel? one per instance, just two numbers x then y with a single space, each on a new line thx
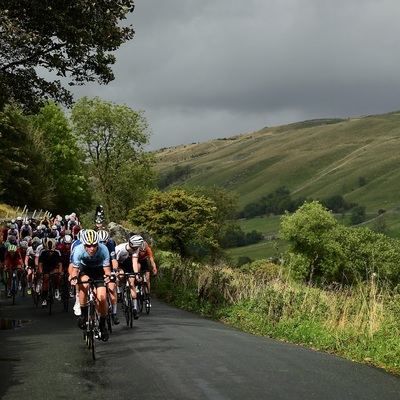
23 283
50 295
148 304
109 315
140 297
128 307
92 341
14 286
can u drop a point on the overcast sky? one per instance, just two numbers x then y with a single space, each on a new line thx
211 69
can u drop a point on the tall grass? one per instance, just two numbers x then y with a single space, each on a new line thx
358 322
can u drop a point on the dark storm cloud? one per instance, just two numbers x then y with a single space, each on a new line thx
210 69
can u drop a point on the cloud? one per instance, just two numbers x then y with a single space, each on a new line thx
212 69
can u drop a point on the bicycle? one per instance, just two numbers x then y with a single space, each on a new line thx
14 284
92 330
23 282
127 301
142 294
36 287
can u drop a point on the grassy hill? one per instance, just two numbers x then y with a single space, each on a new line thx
315 159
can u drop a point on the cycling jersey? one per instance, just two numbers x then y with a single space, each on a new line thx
122 254
81 258
50 260
13 260
110 244
145 253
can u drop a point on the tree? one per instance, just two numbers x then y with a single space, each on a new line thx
225 204
70 185
357 215
311 230
73 39
113 138
25 175
177 220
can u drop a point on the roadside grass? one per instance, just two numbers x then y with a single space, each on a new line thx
358 323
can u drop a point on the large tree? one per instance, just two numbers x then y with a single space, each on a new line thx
70 184
113 138
73 39
25 176
177 219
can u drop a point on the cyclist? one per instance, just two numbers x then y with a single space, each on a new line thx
54 233
12 259
127 256
110 244
26 230
91 259
49 260
65 249
146 258
30 262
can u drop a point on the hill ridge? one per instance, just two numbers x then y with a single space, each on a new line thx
314 158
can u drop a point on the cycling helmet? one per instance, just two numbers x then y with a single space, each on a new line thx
36 240
67 239
89 237
13 226
103 236
54 227
12 248
136 241
24 244
50 245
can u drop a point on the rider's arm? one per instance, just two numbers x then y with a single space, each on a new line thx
151 258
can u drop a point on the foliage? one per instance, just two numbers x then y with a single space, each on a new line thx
310 229
66 167
177 219
357 215
225 204
113 138
276 203
26 176
73 39
323 251
235 237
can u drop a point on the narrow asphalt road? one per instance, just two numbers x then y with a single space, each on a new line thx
169 354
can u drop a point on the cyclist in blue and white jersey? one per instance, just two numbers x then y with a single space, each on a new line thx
91 259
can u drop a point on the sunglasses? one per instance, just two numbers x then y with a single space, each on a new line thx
90 245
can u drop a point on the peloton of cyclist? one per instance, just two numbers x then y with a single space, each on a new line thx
91 259
127 256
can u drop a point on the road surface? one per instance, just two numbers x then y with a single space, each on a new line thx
169 354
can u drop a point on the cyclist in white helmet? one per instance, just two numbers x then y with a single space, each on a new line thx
127 255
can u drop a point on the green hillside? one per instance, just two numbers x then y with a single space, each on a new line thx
315 159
